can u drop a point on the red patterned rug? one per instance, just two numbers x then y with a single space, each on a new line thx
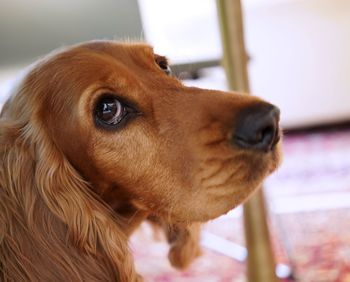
309 201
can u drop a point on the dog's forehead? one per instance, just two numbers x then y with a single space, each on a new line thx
122 51
98 62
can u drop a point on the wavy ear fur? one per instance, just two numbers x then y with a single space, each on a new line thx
52 226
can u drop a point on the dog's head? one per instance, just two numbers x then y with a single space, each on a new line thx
137 134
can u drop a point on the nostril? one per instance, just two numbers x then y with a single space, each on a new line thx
257 127
267 136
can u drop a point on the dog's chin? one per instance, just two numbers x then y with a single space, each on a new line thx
239 191
210 206
207 203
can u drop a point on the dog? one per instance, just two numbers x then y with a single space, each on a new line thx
99 137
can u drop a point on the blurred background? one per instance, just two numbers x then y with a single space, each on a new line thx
299 60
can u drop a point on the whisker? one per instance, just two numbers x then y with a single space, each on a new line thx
226 181
222 163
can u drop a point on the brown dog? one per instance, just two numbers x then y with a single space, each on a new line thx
99 137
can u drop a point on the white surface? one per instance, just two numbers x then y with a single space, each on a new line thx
299 50
301 60
223 246
185 31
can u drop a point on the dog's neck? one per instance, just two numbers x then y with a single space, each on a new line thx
130 216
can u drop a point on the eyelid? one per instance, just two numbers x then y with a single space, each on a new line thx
161 60
163 64
124 101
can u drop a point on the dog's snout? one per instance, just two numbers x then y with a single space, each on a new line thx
257 127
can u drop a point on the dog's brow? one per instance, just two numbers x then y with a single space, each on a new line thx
161 58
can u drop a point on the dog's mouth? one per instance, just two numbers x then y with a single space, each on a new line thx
220 183
239 167
237 182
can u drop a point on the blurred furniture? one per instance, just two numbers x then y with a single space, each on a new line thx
29 30
261 265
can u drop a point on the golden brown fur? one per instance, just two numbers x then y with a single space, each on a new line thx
71 192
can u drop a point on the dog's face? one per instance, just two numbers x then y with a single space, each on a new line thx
138 135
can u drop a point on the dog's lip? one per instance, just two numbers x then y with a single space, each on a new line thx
277 139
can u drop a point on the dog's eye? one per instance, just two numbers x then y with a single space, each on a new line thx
111 111
163 64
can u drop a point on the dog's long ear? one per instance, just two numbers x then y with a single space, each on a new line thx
51 224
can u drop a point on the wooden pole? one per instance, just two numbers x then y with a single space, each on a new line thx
260 264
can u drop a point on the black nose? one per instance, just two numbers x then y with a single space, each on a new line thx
257 127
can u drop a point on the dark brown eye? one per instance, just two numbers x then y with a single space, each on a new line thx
162 62
110 111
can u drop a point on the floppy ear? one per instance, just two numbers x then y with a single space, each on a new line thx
51 223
